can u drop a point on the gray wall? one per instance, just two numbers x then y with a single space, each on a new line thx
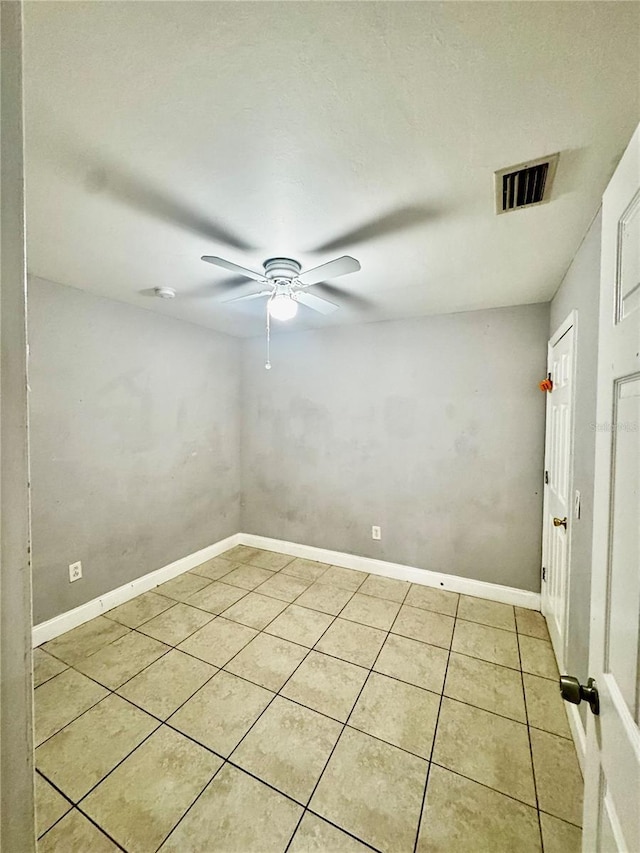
580 290
431 428
135 442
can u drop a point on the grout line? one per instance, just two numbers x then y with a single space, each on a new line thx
227 760
340 828
186 812
533 772
435 734
278 693
344 725
62 794
91 821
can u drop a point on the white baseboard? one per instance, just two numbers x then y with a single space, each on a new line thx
453 583
97 606
79 615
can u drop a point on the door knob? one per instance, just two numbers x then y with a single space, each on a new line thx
560 522
572 691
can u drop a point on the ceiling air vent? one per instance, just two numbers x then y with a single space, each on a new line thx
526 184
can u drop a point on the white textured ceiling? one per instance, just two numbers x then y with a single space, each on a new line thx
159 132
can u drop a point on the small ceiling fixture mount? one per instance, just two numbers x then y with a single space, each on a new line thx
164 292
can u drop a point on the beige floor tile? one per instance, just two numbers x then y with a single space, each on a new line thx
175 625
373 790
413 662
538 658
350 579
491 613
61 699
214 569
282 586
120 661
272 560
306 570
216 597
491 750
368 610
462 816
248 577
219 820
288 747
389 588
50 805
221 713
424 625
326 684
85 639
481 641
255 610
531 623
300 625
558 836
267 661
240 554
75 834
45 666
429 598
218 641
145 796
545 706
315 835
485 685
399 713
183 586
325 597
162 687
80 755
558 777
140 609
352 642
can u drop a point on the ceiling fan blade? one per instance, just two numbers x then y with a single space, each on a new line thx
332 269
346 297
229 265
247 296
387 223
101 175
316 303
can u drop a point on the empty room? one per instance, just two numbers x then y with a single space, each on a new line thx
320 427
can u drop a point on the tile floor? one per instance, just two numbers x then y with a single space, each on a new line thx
264 703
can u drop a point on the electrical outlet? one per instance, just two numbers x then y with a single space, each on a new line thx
376 533
75 572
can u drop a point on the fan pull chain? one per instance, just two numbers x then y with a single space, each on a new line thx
267 364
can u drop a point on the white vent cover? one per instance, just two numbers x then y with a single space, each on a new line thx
525 185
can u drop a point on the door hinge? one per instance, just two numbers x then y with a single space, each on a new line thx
546 478
544 574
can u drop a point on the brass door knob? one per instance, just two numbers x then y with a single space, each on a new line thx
560 522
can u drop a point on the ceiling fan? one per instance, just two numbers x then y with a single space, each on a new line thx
287 285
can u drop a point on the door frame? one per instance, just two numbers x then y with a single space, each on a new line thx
560 643
17 826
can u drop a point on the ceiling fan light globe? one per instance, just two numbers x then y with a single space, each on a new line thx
283 307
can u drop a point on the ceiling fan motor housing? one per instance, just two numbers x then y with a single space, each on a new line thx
276 268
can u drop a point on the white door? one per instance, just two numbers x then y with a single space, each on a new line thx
612 781
558 478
